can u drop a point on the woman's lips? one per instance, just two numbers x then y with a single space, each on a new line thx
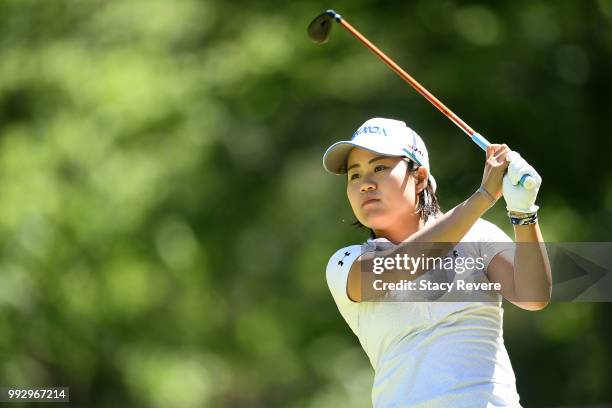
369 201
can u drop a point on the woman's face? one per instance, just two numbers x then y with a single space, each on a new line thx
381 189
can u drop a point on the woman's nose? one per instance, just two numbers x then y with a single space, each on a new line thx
367 185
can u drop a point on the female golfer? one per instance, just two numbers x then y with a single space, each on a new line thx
434 353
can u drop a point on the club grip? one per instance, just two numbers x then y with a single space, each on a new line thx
526 181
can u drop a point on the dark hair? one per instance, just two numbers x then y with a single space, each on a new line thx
427 205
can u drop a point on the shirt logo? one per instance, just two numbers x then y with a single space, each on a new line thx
455 254
341 262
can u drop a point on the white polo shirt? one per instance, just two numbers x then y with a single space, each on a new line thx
432 354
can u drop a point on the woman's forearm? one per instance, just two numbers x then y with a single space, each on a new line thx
454 224
532 274
446 230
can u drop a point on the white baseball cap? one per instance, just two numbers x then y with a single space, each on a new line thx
388 137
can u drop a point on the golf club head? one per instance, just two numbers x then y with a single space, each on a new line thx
320 28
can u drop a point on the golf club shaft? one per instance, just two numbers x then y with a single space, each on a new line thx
408 78
527 181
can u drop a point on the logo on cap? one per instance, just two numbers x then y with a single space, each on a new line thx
369 129
416 149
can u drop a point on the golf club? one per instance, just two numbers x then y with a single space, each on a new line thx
319 30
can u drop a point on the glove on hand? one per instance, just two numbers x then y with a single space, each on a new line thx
518 198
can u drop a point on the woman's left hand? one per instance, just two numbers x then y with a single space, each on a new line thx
518 198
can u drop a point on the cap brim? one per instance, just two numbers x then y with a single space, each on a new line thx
335 157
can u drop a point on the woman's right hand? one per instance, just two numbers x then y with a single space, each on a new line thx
495 168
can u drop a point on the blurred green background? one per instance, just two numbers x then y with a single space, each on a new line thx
165 221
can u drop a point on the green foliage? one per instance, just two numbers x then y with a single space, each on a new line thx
165 221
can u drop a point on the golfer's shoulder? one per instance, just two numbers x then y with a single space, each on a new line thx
338 270
343 258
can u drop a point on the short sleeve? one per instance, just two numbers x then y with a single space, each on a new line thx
492 240
337 272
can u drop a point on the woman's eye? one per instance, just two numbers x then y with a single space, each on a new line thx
353 176
380 168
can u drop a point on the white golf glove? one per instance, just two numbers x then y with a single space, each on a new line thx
518 198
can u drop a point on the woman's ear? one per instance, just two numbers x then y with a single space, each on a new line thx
421 178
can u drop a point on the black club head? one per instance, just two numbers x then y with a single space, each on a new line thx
320 28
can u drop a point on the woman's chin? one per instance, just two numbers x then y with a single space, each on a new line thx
375 222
